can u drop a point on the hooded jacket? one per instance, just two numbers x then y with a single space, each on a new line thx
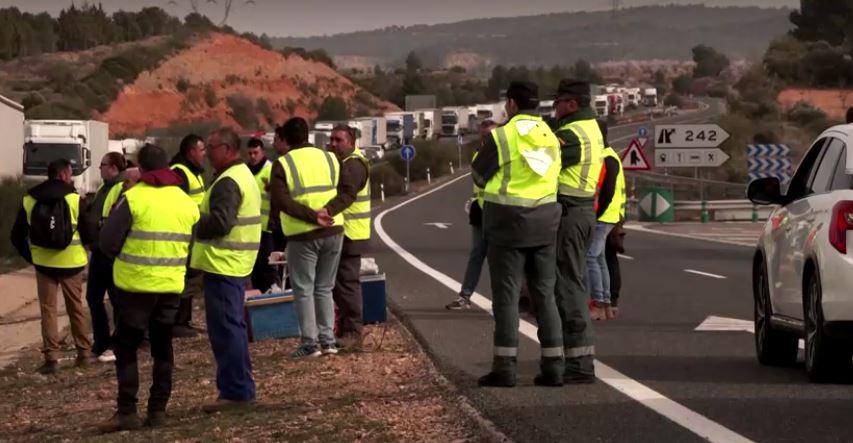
48 190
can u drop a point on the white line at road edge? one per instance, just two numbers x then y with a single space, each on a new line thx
692 421
640 228
705 274
625 257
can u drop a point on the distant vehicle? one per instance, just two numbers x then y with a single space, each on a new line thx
400 129
429 123
546 108
633 98
650 97
456 120
495 112
615 104
600 103
83 142
372 132
803 264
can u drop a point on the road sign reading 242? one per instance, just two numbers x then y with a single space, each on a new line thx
689 136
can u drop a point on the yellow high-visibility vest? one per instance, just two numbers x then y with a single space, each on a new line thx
73 256
153 258
357 215
312 179
580 180
195 183
234 254
263 180
615 212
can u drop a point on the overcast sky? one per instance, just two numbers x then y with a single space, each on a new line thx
316 17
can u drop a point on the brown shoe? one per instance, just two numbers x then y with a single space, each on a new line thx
83 361
351 341
222 405
611 312
49 367
120 422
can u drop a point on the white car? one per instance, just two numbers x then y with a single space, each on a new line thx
803 266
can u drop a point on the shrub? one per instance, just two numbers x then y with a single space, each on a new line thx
385 174
804 114
243 111
13 191
263 106
673 100
210 96
182 85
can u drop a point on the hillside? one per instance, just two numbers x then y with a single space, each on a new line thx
653 32
161 82
228 79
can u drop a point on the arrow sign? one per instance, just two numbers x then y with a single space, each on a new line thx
689 136
407 152
660 204
694 158
755 164
439 225
768 150
633 158
724 324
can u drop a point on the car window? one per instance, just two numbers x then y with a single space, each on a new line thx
798 186
842 180
825 172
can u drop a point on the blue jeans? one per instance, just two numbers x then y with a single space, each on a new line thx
312 266
596 264
226 329
100 282
476 257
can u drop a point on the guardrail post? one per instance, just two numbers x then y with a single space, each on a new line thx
429 179
451 168
704 211
382 191
754 214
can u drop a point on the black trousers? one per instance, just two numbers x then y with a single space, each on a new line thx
265 275
193 286
612 258
347 294
135 314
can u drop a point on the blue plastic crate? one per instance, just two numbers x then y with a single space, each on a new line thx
271 316
373 298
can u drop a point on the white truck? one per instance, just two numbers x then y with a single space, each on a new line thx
600 102
495 112
372 132
633 97
455 121
82 142
429 123
546 108
650 97
400 128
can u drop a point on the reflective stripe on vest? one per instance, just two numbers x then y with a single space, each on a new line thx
516 184
312 179
234 254
357 215
195 183
111 199
153 258
263 180
580 180
615 212
73 256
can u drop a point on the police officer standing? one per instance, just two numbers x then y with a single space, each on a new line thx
187 163
225 248
150 253
581 146
517 168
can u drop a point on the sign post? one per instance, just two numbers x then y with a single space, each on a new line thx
407 153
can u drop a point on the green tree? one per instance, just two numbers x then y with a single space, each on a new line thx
682 84
709 62
413 62
583 70
333 108
826 20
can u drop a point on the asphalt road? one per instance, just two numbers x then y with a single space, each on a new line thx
660 380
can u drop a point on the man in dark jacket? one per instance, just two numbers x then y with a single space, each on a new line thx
113 167
353 190
56 267
187 164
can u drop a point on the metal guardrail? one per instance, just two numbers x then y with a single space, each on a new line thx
686 210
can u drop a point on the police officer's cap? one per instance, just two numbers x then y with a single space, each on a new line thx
572 88
522 92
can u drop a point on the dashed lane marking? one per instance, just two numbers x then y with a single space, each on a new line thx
690 420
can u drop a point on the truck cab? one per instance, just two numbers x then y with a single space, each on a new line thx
80 142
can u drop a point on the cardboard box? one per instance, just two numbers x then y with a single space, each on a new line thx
373 298
271 316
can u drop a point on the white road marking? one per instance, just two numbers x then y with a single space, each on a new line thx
640 228
705 274
626 257
439 225
692 421
724 324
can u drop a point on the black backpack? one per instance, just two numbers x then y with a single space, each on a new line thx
50 224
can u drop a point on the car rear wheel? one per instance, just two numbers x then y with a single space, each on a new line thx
827 359
773 347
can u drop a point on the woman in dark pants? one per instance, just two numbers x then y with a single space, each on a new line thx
613 247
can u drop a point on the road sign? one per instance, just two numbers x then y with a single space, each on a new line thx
689 136
768 164
407 153
768 150
693 158
633 158
643 132
783 176
656 205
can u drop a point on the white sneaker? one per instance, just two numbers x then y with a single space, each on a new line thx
107 357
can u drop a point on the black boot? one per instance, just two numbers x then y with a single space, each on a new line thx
502 375
551 372
579 371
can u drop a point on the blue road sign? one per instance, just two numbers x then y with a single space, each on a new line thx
768 150
407 153
643 132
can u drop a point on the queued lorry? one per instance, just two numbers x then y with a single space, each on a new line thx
456 121
400 129
82 142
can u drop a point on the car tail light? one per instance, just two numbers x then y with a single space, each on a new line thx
842 221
